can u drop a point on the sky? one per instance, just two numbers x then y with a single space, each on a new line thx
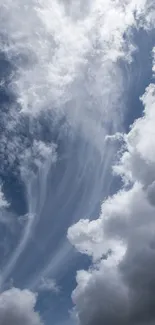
77 159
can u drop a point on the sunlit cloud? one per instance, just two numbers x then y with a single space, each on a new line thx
120 280
65 87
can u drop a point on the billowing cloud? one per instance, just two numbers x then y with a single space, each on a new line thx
18 307
65 63
120 289
61 66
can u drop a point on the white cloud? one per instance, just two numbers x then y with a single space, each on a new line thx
3 201
35 157
120 289
54 53
137 163
70 66
18 307
47 284
60 66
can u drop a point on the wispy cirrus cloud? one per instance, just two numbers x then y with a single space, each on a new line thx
60 67
120 285
65 60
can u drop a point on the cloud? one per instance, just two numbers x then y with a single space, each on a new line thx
61 60
153 67
61 66
36 162
120 288
64 66
3 201
47 284
18 307
101 297
140 145
5 216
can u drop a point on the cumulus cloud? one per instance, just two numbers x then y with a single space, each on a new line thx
101 297
68 64
137 163
18 307
119 287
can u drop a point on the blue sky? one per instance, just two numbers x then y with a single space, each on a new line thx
77 183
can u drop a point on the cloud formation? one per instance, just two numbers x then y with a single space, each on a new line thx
62 65
120 289
18 307
67 64
3 201
47 284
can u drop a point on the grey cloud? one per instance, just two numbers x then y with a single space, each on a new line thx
121 289
103 300
18 307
